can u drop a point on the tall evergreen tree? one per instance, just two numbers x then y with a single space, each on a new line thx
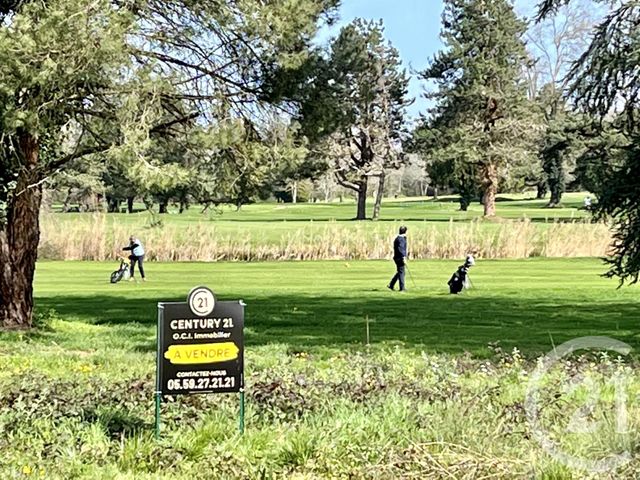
481 110
452 164
353 111
554 45
606 82
561 143
558 146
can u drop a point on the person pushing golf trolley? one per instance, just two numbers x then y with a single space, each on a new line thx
137 255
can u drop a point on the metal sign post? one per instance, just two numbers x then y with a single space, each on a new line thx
200 349
158 396
241 426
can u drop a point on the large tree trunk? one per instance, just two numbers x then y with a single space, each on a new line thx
379 195
162 208
19 241
113 205
130 204
542 189
99 202
67 199
556 196
556 180
489 176
362 199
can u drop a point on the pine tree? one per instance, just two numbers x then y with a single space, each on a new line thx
353 113
561 142
481 114
554 153
451 164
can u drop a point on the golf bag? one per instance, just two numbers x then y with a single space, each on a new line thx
460 279
121 273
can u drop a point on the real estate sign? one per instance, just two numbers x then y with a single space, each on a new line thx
200 345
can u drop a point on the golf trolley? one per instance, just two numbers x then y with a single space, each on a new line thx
123 272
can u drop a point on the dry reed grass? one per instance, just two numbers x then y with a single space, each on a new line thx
91 238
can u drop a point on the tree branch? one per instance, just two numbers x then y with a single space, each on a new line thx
342 180
53 166
163 127
176 61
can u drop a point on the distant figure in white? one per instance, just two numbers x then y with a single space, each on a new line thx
587 202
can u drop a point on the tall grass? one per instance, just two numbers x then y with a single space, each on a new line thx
94 238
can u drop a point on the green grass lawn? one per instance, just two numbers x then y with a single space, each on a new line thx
275 218
525 304
429 398
403 209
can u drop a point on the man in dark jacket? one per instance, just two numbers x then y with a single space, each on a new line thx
400 258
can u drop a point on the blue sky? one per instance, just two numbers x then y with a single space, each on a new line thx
413 26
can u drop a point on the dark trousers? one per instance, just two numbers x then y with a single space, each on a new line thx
399 276
140 261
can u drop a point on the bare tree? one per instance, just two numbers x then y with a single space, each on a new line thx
554 45
557 42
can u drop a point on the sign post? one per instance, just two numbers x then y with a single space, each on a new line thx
200 348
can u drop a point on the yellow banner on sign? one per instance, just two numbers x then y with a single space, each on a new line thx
202 353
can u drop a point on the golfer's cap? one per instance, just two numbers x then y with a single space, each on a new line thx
471 260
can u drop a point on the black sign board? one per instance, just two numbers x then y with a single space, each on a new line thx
200 345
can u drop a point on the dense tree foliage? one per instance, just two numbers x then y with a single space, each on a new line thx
113 78
554 44
606 82
562 142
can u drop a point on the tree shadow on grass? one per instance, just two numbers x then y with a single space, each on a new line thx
436 323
